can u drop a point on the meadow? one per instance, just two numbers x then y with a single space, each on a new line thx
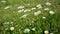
29 16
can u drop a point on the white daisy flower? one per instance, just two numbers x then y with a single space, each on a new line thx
48 3
46 31
37 13
21 10
3 1
44 17
33 8
39 6
26 30
46 9
26 10
11 28
24 16
51 33
6 22
51 12
20 7
33 29
7 7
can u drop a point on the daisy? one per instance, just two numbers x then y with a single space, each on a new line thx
26 30
37 13
51 33
46 31
39 6
3 1
6 22
44 17
24 16
20 7
48 3
26 10
21 10
51 12
33 8
7 7
11 28
33 29
46 9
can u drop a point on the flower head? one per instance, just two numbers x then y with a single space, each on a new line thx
26 30
11 28
21 10
20 7
39 6
3 1
37 13
48 3
46 31
46 9
7 7
33 29
51 12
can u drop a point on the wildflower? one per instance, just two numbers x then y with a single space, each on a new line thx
27 10
46 9
11 28
48 3
51 33
24 16
37 13
39 6
21 10
26 30
3 1
44 17
7 7
33 29
33 8
51 12
46 31
6 22
20 7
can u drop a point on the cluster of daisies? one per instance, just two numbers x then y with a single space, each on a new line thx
36 13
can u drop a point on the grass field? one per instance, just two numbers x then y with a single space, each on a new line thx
24 17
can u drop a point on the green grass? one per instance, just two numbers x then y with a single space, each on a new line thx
51 23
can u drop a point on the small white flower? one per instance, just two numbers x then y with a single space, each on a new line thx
48 3
37 13
33 8
44 17
24 16
7 7
51 33
26 30
51 12
46 31
46 9
33 29
11 28
6 22
3 1
26 10
21 10
39 6
20 7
